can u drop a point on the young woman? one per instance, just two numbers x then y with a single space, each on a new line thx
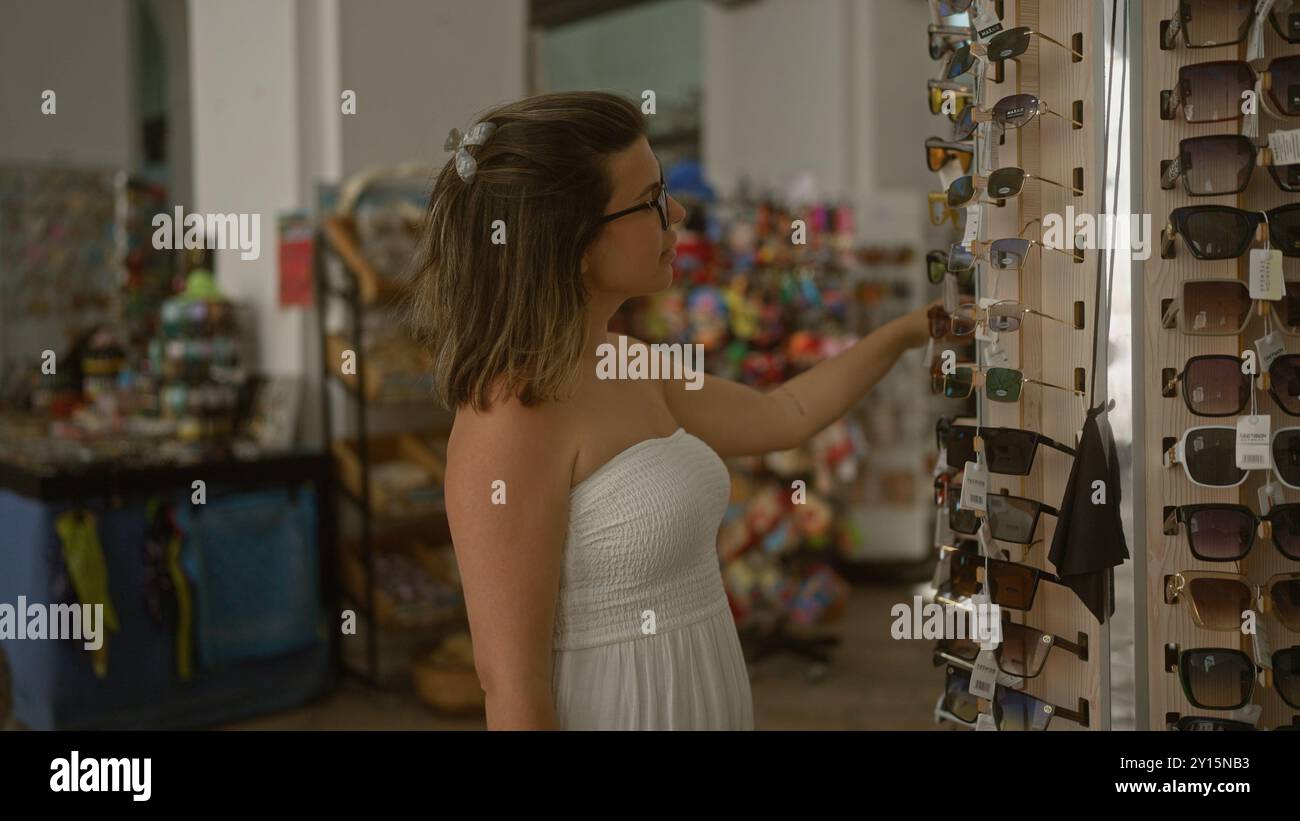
584 511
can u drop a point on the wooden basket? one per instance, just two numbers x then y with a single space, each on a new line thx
341 233
445 679
389 612
395 372
421 450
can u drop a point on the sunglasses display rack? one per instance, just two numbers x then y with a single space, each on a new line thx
1063 146
1165 631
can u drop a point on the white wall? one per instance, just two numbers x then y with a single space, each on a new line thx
822 87
422 67
80 49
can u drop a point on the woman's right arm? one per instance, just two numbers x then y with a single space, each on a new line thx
509 554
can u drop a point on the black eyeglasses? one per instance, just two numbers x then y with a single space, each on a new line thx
659 204
1219 164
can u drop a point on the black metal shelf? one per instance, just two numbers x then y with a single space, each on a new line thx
372 522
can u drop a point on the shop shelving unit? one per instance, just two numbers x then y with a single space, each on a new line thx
361 290
1156 281
1061 285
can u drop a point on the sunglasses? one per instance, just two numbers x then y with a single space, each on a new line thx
951 8
1222 307
1221 678
1013 710
1001 184
936 268
1217 600
945 40
938 152
1000 384
1005 316
1285 17
1015 111
1208 455
1221 532
1218 164
1225 232
940 211
1007 254
939 88
1011 518
1008 451
1023 651
1212 724
1008 584
1212 92
659 203
1010 44
1216 384
1207 23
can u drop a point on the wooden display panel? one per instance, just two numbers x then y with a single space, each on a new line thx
1054 283
1160 280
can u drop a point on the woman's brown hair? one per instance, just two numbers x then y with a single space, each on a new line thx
513 314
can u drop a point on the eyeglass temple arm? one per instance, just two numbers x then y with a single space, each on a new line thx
1052 443
1079 716
1071 188
1080 649
1070 120
1048 316
1074 391
1026 228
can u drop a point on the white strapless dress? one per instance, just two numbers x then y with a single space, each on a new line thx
644 639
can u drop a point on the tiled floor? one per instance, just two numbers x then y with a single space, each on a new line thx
874 682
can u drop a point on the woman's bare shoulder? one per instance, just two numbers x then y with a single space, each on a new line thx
509 433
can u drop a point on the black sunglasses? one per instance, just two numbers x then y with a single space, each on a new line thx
1225 232
1009 451
659 203
1219 164
1010 518
1223 678
1207 23
1225 532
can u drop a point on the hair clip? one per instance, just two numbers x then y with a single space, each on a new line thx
465 164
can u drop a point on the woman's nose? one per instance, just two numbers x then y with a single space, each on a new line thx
676 211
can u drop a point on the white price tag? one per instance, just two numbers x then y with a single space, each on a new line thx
985 538
986 622
972 232
1266 274
986 22
1252 442
982 331
1269 347
1249 714
989 140
974 487
1285 145
985 723
1259 641
984 678
951 296
995 356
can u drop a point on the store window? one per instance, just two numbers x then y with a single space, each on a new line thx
636 47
